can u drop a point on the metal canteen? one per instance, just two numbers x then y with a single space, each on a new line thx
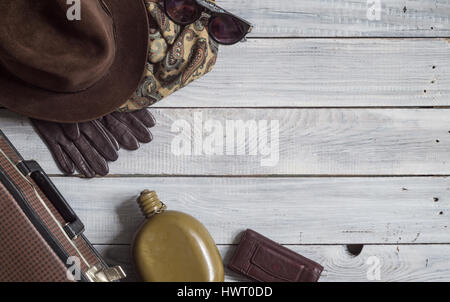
171 246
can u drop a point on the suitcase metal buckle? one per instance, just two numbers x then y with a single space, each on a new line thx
101 273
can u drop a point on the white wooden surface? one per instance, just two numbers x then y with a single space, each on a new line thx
324 73
399 263
289 210
344 18
364 142
311 142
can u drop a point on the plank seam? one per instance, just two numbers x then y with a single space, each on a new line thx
309 244
254 176
345 37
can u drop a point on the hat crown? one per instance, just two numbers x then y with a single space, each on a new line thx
41 46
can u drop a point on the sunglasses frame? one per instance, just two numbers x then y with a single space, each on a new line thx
213 11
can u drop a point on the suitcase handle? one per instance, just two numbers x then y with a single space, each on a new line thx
74 226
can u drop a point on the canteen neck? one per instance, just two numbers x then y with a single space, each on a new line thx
150 204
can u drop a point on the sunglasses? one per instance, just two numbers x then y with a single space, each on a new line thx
224 27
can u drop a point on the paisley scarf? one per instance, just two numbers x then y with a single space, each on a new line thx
177 56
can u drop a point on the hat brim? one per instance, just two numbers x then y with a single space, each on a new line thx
107 95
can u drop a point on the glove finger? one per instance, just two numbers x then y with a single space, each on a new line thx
145 117
62 159
135 126
110 135
95 134
72 131
121 133
80 163
92 157
50 134
49 131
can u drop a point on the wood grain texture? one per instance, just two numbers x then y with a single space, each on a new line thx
311 142
324 73
343 18
314 199
289 210
410 263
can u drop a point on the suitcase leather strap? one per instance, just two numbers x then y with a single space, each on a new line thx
74 227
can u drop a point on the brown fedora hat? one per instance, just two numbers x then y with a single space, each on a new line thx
59 70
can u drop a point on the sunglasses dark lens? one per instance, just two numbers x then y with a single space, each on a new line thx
182 11
228 29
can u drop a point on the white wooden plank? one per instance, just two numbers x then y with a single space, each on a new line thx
289 210
324 73
344 18
405 263
311 142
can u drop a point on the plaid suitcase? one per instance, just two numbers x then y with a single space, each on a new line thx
41 237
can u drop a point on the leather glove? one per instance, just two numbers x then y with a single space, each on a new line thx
130 128
88 146
84 146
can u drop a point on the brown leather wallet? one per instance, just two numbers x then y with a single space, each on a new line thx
264 260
